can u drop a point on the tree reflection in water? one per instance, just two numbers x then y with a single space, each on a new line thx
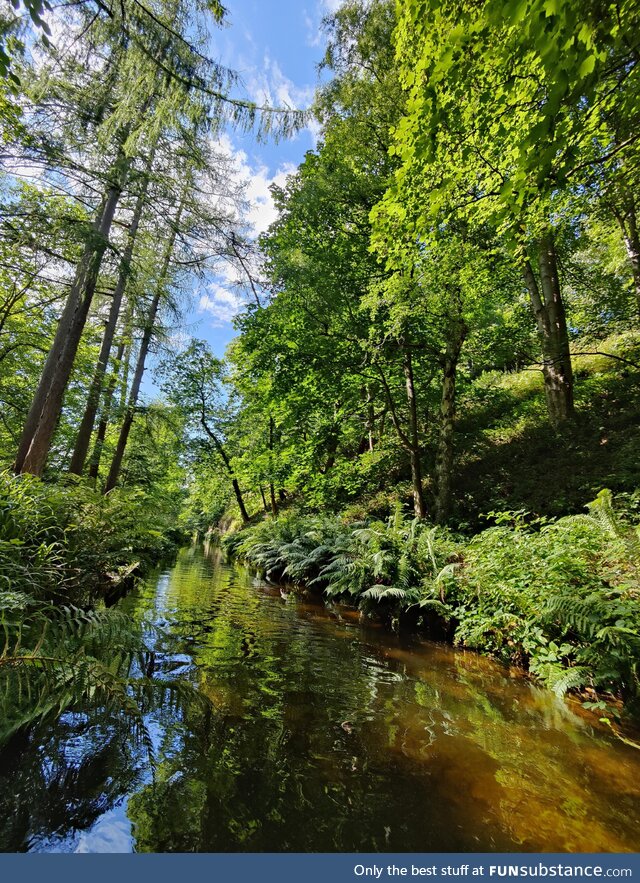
309 730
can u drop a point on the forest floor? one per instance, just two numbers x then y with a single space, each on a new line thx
509 456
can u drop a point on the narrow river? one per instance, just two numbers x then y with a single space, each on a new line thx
306 729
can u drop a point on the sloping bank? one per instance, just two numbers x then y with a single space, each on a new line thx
560 598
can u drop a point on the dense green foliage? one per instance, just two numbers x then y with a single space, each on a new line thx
110 184
442 319
68 543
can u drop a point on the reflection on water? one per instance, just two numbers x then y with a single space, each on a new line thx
319 733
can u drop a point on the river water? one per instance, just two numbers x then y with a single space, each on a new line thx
299 727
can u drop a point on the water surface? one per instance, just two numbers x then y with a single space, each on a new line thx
307 729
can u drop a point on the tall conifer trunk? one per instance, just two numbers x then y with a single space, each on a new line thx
127 422
121 362
85 429
44 413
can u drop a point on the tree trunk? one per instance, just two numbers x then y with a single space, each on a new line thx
628 223
414 446
632 243
125 429
83 438
444 459
371 420
47 403
552 329
123 351
239 499
264 499
272 490
225 459
98 445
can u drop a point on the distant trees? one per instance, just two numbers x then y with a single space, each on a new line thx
193 381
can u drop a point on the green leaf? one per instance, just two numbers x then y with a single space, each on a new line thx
587 66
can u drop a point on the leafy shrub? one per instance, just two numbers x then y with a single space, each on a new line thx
61 548
563 599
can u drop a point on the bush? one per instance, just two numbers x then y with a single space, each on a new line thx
562 599
61 548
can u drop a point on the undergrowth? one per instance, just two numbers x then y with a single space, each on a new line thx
62 549
70 542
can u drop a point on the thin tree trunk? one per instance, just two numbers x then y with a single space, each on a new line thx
126 369
127 422
371 420
101 432
83 438
272 490
410 441
225 459
264 499
444 459
548 309
239 499
414 448
122 353
628 224
47 403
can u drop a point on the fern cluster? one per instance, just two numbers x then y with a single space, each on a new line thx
563 599
69 541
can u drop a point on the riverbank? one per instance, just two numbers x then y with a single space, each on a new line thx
67 542
67 552
559 598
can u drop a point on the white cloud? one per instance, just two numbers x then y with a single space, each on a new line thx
257 181
313 20
223 298
263 212
271 86
221 304
312 24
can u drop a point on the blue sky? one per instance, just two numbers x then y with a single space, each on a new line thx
275 45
